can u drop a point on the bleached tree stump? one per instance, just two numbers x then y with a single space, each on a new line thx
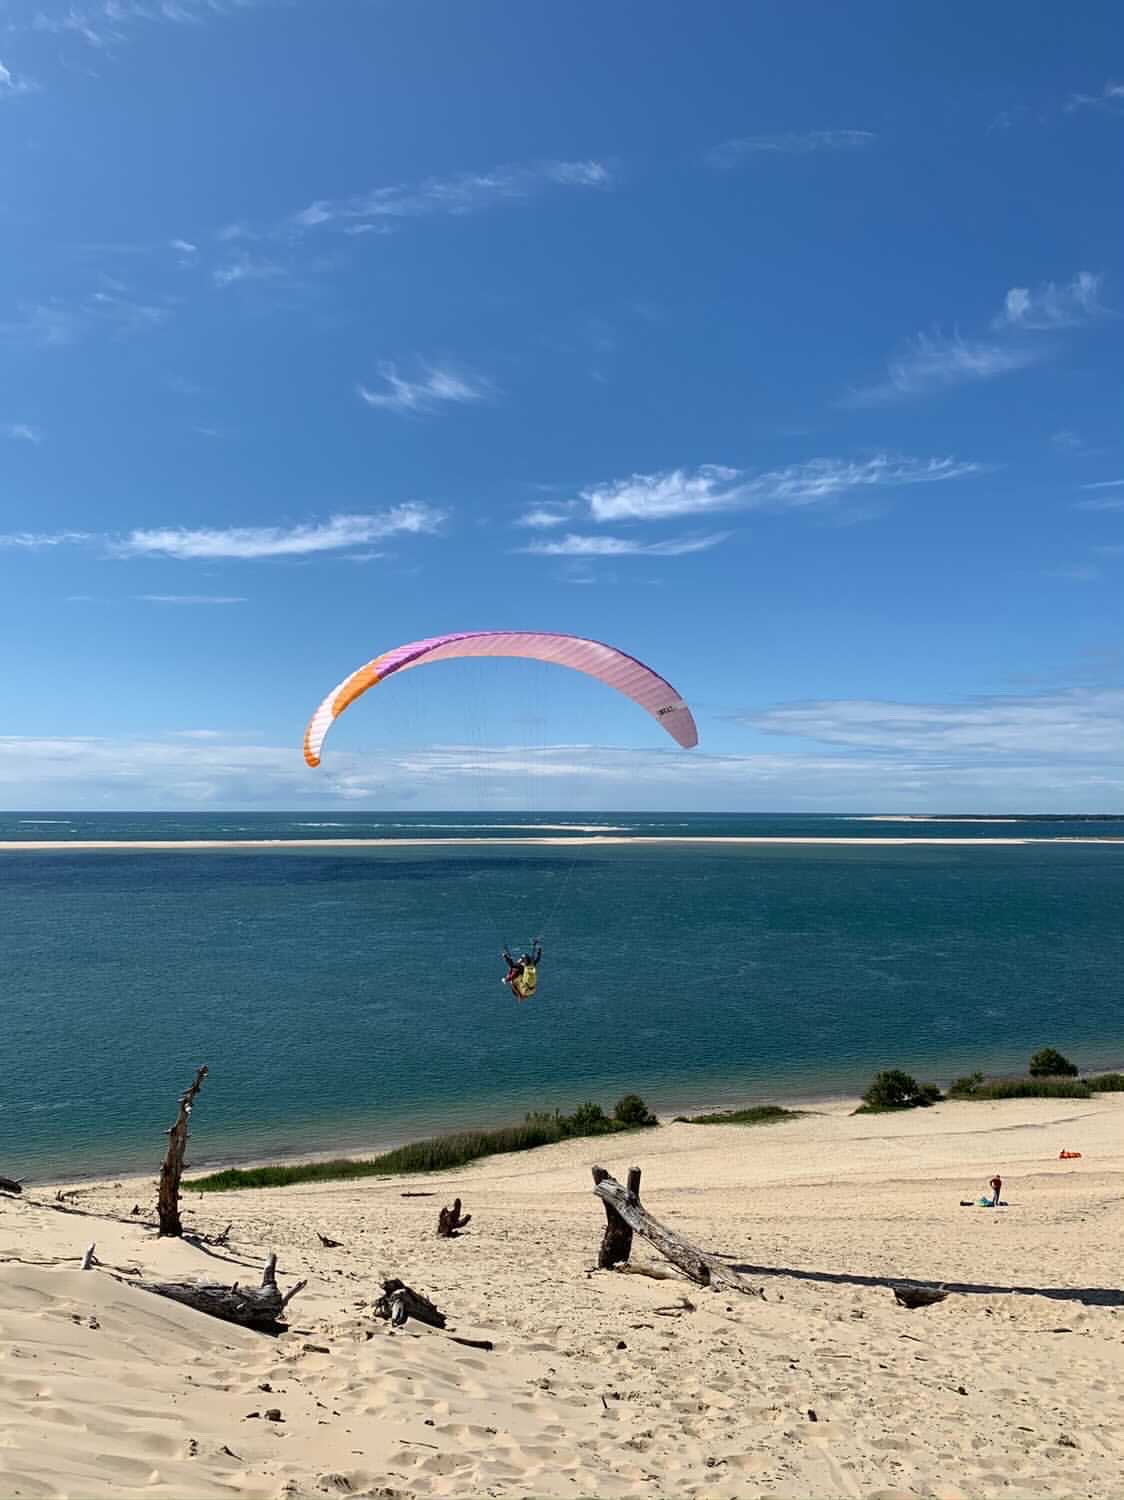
168 1200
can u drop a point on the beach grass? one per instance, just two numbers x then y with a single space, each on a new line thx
438 1154
1106 1083
759 1114
1020 1088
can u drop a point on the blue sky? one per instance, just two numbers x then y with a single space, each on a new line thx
777 344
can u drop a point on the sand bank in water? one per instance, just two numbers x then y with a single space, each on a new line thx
47 846
601 1383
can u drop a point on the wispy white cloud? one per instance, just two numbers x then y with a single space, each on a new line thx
1074 724
544 517
12 85
35 540
49 325
23 432
192 598
438 386
225 769
934 362
112 22
464 193
1102 502
714 487
54 324
246 268
1110 98
787 143
1051 306
185 247
576 545
333 535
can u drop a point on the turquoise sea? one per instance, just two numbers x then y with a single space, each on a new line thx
352 997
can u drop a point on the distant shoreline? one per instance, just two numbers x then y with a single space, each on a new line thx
47 846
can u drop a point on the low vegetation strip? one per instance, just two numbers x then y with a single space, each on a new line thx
441 1153
759 1114
1021 1088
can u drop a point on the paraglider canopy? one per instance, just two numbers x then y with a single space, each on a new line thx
618 670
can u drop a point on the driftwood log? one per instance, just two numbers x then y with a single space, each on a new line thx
919 1296
327 1243
255 1307
616 1246
450 1220
168 1201
10 1185
706 1270
400 1302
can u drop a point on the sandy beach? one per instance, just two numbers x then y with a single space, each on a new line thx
601 1382
46 846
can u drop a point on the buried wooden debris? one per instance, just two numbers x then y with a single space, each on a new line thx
327 1243
255 1307
10 1185
450 1221
400 1302
89 1260
472 1343
919 1296
696 1264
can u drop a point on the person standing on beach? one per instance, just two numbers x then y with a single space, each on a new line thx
996 1188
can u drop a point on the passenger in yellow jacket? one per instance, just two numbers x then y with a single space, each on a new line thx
522 973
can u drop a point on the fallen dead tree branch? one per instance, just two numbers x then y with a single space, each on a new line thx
254 1307
10 1185
699 1267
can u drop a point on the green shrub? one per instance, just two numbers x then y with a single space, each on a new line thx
893 1089
589 1119
965 1088
631 1110
1048 1063
760 1114
436 1155
1107 1083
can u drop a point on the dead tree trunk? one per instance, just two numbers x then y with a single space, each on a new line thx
451 1220
168 1201
616 1246
10 1185
704 1269
256 1307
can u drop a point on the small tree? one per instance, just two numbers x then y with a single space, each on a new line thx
893 1089
631 1110
588 1119
1049 1063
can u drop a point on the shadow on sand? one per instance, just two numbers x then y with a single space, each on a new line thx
1091 1296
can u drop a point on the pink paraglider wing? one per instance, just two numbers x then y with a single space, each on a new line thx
614 668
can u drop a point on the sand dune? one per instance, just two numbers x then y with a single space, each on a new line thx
601 1383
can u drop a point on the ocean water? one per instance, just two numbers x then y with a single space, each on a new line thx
352 998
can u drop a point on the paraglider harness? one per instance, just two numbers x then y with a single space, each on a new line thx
522 973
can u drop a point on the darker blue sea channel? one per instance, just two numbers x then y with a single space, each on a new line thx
348 998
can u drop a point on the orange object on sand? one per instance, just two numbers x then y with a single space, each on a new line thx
1068 1155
